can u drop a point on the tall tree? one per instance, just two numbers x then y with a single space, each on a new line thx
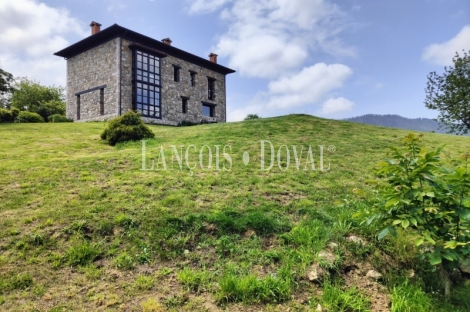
6 88
449 93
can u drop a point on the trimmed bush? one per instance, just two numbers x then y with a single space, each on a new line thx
58 118
128 127
28 117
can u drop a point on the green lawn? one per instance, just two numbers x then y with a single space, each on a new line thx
84 228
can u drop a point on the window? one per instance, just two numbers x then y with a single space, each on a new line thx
192 78
184 103
208 110
176 73
211 88
147 84
101 101
78 107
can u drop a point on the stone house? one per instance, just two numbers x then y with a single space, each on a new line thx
115 70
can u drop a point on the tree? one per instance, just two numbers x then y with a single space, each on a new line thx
251 117
33 97
6 88
449 93
433 201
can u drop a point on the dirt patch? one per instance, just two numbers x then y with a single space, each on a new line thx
355 275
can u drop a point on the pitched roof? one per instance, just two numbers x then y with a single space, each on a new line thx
116 31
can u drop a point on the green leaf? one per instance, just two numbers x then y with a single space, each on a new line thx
435 259
448 257
383 233
405 223
396 222
419 241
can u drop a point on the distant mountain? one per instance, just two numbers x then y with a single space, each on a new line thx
396 121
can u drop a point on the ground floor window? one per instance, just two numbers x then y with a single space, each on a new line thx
208 110
148 100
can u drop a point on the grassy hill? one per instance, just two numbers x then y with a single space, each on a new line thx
84 228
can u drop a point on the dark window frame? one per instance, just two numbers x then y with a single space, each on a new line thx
192 78
211 107
184 104
102 101
176 73
146 84
78 106
211 88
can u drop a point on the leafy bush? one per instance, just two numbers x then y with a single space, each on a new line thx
8 115
58 118
5 115
432 200
29 117
251 117
128 127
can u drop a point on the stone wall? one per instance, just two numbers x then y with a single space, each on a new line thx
91 69
99 66
172 91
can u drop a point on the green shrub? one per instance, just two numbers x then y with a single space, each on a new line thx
5 115
128 127
58 118
29 117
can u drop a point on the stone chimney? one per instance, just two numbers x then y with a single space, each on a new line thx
167 41
95 27
213 58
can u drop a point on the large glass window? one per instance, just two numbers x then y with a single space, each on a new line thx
147 84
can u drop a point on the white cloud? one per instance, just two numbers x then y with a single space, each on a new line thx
442 53
206 6
271 38
336 105
295 93
308 86
30 32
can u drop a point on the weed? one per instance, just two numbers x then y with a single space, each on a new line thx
176 301
251 289
124 261
195 281
151 305
144 282
82 253
350 300
409 298
15 281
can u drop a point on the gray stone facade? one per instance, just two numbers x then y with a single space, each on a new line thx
102 78
91 69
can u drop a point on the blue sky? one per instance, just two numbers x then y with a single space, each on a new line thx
333 59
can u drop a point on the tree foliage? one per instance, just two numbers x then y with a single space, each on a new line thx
433 201
6 88
251 117
33 97
449 93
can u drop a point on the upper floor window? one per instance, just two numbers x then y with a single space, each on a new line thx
176 73
192 78
211 88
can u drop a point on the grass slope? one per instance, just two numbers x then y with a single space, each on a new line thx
83 228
